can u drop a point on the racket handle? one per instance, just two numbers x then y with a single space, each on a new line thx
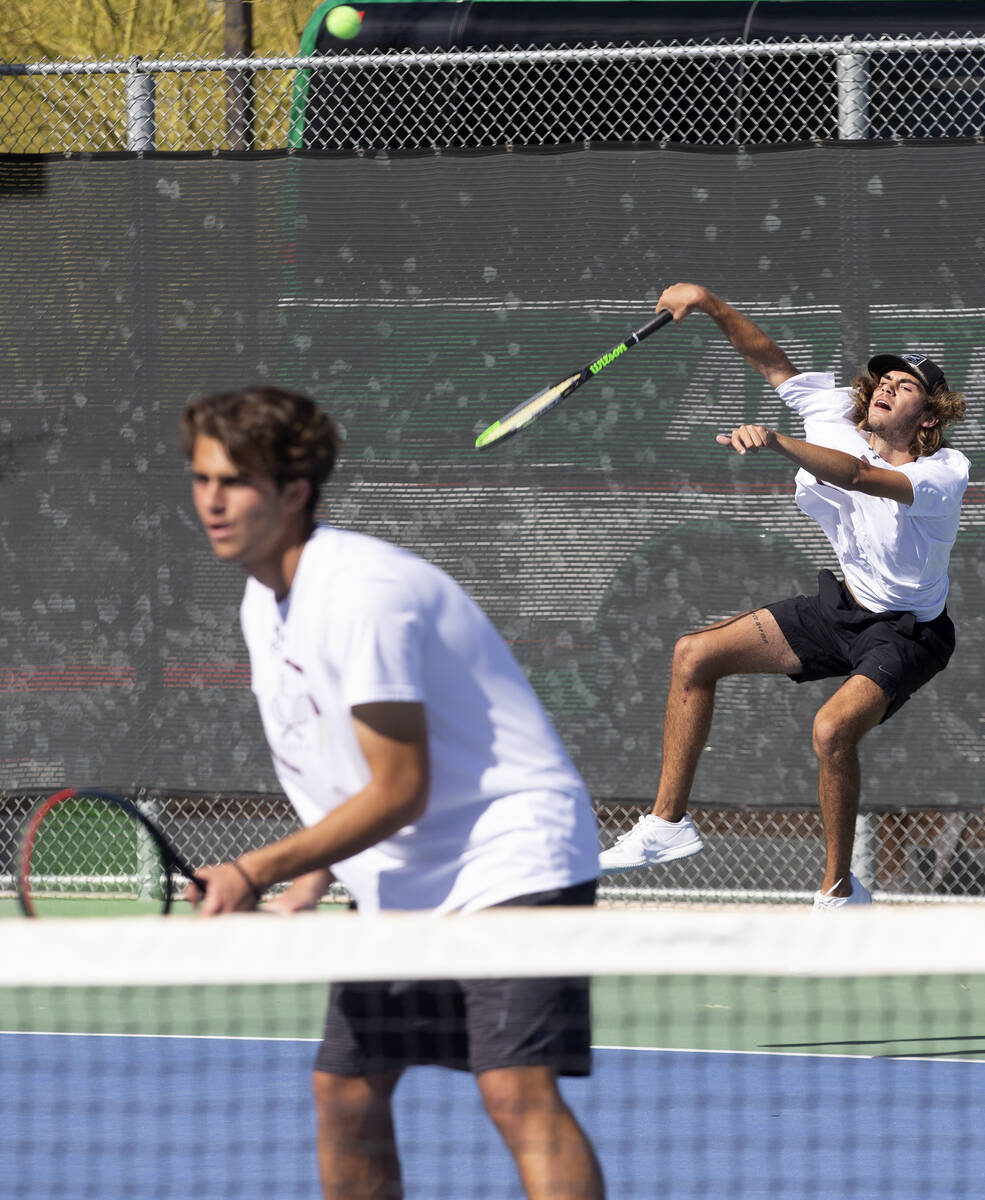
658 322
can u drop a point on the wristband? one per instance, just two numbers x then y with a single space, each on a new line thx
252 886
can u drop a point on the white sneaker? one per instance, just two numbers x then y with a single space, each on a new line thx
652 840
825 902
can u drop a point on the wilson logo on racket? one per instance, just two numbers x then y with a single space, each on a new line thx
607 358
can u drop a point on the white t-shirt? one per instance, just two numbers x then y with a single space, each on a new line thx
894 556
366 621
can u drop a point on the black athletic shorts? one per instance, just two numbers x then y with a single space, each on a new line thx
832 634
469 1024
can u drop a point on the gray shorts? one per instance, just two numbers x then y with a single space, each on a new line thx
833 635
469 1024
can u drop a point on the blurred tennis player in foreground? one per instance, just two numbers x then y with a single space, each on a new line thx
427 776
875 474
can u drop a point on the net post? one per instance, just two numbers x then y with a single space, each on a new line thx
140 107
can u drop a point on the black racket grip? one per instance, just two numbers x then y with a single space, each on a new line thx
658 322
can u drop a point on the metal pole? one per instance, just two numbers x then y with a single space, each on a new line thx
140 107
143 358
149 867
865 851
853 93
853 126
240 115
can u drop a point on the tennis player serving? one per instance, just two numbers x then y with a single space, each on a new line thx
427 776
876 475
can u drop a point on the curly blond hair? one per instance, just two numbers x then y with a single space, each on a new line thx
267 431
946 405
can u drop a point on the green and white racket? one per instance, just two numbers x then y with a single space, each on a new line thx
543 401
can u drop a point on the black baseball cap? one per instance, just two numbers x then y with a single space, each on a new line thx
913 363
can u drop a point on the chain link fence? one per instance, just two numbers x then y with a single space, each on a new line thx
754 855
705 95
723 95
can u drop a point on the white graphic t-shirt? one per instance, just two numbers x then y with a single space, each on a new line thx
894 556
366 621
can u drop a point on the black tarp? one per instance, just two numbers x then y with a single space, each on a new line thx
418 298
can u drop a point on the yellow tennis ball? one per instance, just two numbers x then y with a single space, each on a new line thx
344 21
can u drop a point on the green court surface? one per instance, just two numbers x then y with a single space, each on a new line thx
109 906
940 1016
96 906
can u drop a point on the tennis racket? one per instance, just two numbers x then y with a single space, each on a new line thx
543 401
86 844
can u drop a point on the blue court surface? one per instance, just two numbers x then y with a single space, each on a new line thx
146 1118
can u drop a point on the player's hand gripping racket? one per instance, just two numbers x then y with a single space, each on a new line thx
543 401
87 844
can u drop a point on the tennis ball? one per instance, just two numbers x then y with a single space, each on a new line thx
344 21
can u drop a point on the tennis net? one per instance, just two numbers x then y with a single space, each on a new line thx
736 1053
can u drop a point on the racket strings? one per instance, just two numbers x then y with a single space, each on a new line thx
84 847
537 405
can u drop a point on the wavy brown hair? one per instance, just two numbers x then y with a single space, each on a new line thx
943 403
267 431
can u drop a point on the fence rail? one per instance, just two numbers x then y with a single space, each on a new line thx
713 94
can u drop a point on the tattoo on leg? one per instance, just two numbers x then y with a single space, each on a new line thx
717 625
762 632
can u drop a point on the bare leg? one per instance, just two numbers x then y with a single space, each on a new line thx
858 706
357 1150
749 644
554 1157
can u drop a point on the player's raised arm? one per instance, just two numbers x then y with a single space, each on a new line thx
759 351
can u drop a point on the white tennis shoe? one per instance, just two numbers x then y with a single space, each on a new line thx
825 902
652 840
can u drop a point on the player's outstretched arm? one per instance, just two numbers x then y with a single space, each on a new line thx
827 465
759 351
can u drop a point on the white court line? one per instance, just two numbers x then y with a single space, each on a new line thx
223 1037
